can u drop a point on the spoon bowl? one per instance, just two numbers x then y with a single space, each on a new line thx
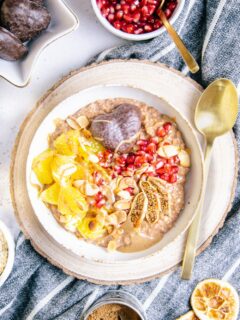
217 110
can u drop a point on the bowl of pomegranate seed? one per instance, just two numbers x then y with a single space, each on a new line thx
135 19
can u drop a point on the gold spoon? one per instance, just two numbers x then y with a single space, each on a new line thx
215 115
186 55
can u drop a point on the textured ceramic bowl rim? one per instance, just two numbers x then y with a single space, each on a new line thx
11 253
133 37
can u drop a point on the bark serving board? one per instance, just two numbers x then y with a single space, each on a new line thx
182 93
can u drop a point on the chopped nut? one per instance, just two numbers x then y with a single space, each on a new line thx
91 189
72 123
184 158
122 204
168 151
83 122
126 183
124 195
108 191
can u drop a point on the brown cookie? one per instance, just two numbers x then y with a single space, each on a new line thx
11 48
24 18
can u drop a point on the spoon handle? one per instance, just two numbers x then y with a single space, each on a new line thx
186 55
193 234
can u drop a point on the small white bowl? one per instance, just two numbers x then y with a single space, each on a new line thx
136 37
63 21
11 253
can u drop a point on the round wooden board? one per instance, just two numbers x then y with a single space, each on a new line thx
179 91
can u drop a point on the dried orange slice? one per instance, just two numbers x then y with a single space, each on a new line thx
188 316
215 299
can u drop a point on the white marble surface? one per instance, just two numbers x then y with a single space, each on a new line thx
64 55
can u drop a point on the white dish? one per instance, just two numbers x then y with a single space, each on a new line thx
63 21
11 253
134 37
71 105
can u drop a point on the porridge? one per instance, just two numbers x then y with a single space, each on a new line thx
114 174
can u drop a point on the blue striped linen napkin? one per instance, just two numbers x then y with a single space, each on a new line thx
37 290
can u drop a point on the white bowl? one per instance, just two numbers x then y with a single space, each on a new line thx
63 21
69 106
134 37
11 253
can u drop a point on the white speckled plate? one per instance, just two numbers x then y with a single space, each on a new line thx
63 21
148 82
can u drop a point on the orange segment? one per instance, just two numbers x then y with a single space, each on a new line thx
67 143
188 316
71 202
215 299
51 194
41 166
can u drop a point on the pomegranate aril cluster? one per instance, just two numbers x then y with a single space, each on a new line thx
145 151
135 16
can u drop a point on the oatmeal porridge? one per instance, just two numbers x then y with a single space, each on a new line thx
114 174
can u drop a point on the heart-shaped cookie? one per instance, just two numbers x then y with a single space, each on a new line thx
11 48
25 18
118 129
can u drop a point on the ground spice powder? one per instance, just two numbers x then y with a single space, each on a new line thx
113 312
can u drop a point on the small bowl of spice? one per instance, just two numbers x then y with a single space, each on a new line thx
115 305
135 20
7 252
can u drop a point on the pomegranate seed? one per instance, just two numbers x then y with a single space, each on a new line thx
119 14
121 160
142 142
118 169
171 6
139 161
176 160
167 126
140 153
164 176
157 24
151 148
125 8
154 140
133 7
151 9
117 24
168 13
171 161
100 204
144 11
172 178
111 17
174 169
130 159
130 190
105 12
149 158
128 18
161 132
98 196
136 17
138 31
